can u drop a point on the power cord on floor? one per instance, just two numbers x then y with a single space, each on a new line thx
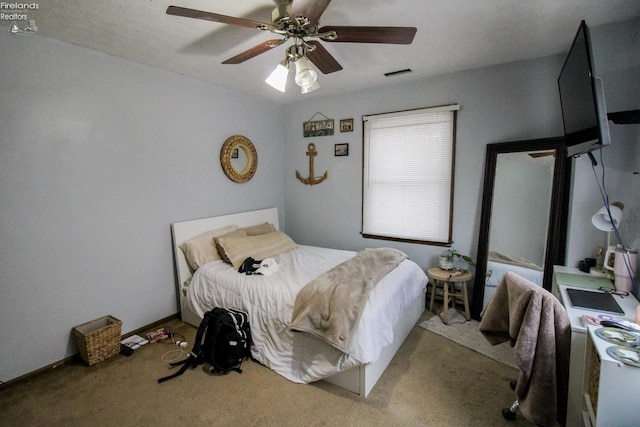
181 343
179 352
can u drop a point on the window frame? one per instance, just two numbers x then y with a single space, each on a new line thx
453 108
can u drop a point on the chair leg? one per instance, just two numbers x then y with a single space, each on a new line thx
509 414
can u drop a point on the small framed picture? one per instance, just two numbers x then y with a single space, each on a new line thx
346 125
342 149
234 153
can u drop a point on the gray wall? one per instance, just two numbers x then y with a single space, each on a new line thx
510 102
97 157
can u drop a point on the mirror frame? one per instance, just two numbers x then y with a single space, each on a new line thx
558 216
241 143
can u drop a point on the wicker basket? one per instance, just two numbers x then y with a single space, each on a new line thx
99 339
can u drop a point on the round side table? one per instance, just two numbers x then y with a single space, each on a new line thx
447 279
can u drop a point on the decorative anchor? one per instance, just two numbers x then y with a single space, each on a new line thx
311 180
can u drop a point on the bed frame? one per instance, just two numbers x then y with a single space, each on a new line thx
360 379
181 231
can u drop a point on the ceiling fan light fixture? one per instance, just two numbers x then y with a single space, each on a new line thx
297 20
305 75
310 88
278 77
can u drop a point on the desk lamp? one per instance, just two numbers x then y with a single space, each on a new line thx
608 218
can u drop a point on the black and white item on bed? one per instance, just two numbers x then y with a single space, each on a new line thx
266 267
249 266
223 341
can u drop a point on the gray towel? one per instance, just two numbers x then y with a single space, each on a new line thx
538 327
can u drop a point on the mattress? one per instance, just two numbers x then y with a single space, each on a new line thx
269 302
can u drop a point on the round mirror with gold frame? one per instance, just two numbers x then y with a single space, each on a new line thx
239 158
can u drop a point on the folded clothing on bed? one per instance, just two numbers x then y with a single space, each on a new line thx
266 267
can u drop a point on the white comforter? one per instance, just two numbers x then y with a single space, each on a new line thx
269 302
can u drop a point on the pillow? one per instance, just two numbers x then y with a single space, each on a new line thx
200 249
258 229
258 247
220 249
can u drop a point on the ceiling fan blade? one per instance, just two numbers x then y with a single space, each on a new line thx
322 59
254 51
542 154
311 9
391 35
216 17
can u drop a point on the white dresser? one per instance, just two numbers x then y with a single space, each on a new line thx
569 277
611 387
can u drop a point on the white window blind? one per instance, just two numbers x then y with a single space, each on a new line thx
408 174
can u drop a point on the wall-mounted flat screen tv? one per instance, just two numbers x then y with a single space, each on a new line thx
584 112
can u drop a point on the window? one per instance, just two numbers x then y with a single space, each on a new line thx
407 185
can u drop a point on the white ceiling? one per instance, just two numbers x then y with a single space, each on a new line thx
453 35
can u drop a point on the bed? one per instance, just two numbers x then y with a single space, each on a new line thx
498 264
393 306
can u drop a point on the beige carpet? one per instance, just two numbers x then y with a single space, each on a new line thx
466 333
431 382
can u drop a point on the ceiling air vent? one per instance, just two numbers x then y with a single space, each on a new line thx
395 73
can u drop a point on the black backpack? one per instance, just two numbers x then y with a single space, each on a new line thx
223 340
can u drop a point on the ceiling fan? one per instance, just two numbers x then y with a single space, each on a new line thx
535 155
299 20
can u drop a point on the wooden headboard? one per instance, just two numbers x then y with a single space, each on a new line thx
181 231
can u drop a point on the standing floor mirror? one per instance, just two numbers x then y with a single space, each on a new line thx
523 225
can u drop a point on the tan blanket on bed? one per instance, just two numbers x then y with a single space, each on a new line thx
538 327
330 306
